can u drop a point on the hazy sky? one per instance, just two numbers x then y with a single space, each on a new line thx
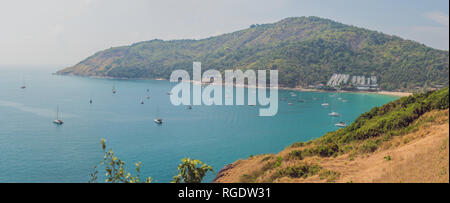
64 32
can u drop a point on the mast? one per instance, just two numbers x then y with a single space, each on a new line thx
57 112
157 111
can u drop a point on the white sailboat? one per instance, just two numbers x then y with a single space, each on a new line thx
325 102
341 124
58 121
334 114
158 120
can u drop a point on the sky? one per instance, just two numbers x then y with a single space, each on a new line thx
64 32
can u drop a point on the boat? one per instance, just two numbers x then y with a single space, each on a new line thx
325 102
344 100
142 101
341 124
23 85
114 89
158 121
58 121
189 107
290 104
148 97
90 101
169 93
333 114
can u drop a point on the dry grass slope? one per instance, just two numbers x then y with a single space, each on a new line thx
421 155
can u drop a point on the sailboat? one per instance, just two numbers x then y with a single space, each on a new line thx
114 89
158 120
23 85
325 102
58 121
333 114
341 124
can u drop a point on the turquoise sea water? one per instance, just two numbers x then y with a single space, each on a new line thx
32 149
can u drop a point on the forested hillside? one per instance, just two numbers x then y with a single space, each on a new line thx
305 50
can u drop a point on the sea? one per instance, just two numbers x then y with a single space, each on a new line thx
33 149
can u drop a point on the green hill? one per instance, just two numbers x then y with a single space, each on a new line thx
403 141
305 50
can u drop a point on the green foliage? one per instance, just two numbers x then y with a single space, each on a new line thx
331 176
388 158
304 50
191 171
278 162
370 146
115 169
297 144
296 154
302 170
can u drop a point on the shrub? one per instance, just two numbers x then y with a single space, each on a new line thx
278 162
296 154
327 150
299 171
115 169
331 176
298 144
191 171
369 146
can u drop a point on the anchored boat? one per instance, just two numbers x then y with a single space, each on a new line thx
58 121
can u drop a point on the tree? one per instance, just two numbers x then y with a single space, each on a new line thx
189 172
115 169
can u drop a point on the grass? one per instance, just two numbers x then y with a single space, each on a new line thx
330 176
302 170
